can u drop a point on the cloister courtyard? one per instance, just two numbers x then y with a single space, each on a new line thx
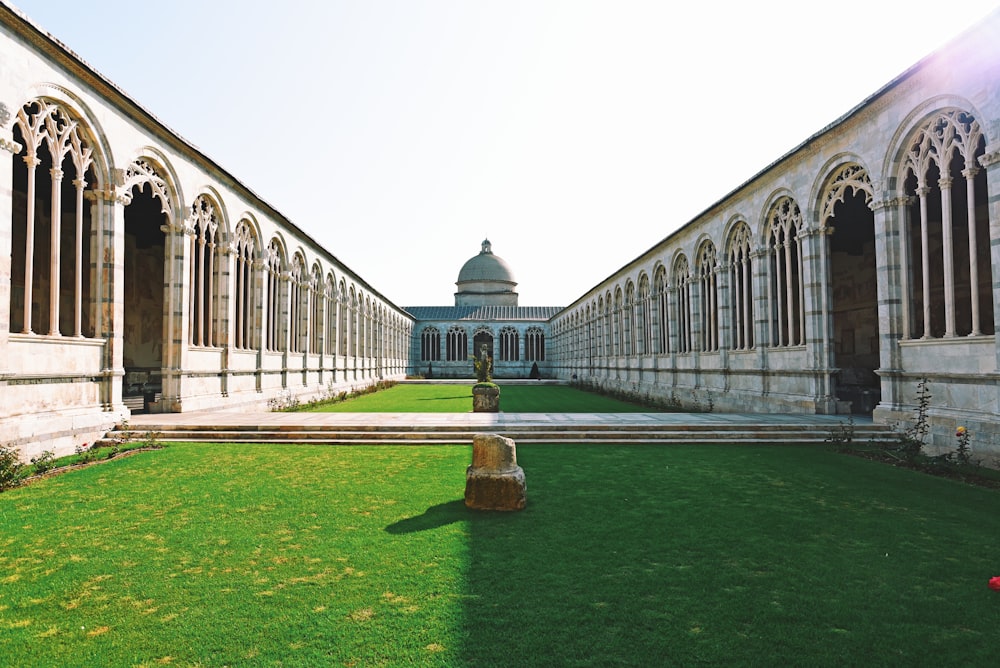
738 552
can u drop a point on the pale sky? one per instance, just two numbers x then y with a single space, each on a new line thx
575 135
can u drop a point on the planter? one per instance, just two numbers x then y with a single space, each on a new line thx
485 398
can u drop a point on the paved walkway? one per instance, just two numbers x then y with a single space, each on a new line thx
236 417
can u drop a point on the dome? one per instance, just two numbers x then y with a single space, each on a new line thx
486 280
486 267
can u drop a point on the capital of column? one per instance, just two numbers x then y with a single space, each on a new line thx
105 195
57 174
922 191
991 157
7 142
945 182
970 172
188 226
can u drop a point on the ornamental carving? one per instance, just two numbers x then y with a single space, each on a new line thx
946 135
137 175
851 177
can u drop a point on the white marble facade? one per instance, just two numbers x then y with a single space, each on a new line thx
135 273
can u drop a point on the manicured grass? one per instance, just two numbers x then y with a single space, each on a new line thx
308 555
438 398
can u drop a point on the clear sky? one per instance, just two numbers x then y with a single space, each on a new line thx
573 134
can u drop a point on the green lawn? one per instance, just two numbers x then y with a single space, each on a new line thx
438 398
264 555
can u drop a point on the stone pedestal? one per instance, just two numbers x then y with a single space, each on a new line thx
494 481
485 399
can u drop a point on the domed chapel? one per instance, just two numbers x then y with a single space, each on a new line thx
486 313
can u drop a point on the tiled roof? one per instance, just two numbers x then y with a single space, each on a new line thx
539 313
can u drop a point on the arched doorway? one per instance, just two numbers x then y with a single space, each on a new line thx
854 300
483 337
143 299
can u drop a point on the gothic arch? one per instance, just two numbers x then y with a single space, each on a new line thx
680 287
706 265
58 160
246 251
840 174
894 164
783 228
948 280
80 112
739 262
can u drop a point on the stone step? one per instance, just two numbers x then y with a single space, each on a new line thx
461 434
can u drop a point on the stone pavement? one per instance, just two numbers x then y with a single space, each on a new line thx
262 418
426 428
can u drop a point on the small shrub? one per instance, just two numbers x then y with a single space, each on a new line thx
963 453
843 434
283 401
11 469
86 453
151 439
44 462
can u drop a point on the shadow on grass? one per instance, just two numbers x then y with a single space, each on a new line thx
436 516
726 555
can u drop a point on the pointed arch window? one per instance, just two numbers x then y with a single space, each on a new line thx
244 251
316 310
52 231
617 338
644 318
786 310
534 344
740 288
430 345
681 286
330 297
342 318
457 344
205 270
628 320
948 282
297 305
274 340
509 345
662 294
708 298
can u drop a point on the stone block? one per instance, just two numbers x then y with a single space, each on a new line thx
494 481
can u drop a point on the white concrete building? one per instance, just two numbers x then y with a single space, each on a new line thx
137 274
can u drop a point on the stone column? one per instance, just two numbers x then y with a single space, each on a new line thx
760 261
925 259
991 161
970 198
177 304
891 246
109 205
815 332
944 183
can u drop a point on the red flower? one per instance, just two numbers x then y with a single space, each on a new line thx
995 583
